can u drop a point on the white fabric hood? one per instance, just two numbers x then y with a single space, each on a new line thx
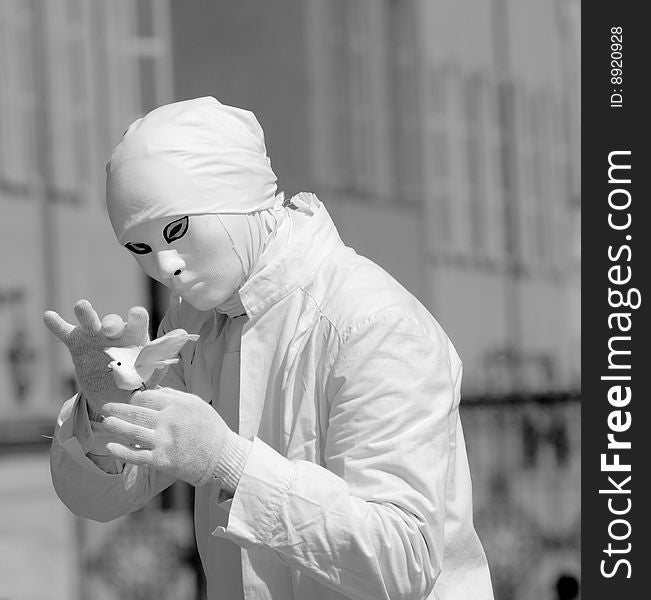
193 157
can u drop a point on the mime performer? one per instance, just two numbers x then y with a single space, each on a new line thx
317 413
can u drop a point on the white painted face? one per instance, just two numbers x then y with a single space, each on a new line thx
192 255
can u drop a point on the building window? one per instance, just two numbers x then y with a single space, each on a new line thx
494 192
365 101
509 155
147 76
475 162
361 133
68 47
17 96
145 18
543 195
537 196
370 142
562 169
461 230
407 116
436 148
148 52
335 90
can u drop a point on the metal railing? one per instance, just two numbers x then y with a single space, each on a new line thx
524 454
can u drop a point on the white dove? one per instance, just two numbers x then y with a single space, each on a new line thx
132 366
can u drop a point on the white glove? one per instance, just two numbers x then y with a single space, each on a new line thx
177 433
87 343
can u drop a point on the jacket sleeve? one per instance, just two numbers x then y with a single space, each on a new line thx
85 488
370 523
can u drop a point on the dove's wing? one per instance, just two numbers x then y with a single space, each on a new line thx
166 363
127 355
163 348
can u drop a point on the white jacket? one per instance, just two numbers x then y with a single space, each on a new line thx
357 484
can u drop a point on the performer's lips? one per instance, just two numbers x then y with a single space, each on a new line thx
180 289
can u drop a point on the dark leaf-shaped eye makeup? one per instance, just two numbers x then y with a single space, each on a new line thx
175 229
138 248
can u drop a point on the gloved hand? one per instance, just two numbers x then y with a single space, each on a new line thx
86 343
177 433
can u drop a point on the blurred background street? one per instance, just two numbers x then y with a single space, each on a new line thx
442 135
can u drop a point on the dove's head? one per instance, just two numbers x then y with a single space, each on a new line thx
191 194
124 375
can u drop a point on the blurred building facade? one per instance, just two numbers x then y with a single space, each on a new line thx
443 138
73 75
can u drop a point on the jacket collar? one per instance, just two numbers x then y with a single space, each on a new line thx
313 237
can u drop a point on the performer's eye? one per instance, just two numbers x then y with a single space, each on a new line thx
175 229
138 248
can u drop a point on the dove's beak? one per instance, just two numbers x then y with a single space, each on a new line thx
109 369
